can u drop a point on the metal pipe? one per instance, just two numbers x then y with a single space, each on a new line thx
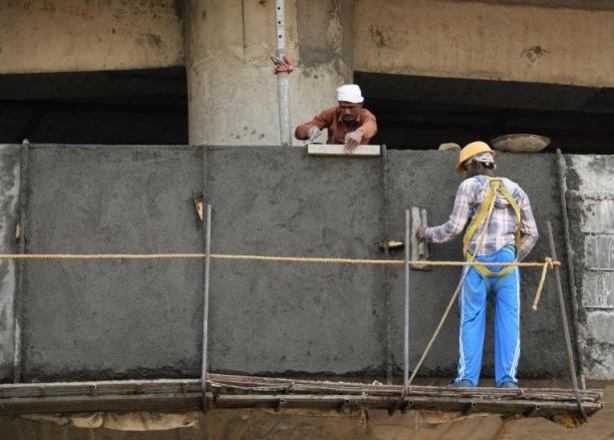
17 305
203 374
406 316
572 367
283 78
570 265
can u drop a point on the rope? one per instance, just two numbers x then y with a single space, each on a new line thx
547 265
450 304
279 259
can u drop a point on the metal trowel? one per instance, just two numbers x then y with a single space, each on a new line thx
420 250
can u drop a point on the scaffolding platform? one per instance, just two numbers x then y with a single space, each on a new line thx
234 391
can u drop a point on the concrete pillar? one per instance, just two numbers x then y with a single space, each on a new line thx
232 92
9 204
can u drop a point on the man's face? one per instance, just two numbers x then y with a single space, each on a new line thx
350 111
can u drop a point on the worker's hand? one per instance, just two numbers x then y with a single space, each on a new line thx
352 140
421 233
313 133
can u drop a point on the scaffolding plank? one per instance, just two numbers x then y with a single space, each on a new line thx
233 391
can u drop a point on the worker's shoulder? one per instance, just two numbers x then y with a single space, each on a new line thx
366 113
471 183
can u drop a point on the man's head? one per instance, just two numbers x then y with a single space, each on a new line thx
476 158
350 101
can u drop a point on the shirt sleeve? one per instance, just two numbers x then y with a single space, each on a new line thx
322 121
528 227
458 218
368 127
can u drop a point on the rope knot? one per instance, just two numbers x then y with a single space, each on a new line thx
549 262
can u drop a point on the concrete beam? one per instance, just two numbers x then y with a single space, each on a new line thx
72 35
485 41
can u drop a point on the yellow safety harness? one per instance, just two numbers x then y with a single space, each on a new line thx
496 186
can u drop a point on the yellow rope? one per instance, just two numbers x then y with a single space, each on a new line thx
180 256
548 264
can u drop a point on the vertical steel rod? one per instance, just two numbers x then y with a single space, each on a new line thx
406 316
17 298
203 374
387 271
557 277
283 78
570 265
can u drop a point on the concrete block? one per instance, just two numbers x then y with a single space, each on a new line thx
599 325
598 290
600 363
599 251
598 216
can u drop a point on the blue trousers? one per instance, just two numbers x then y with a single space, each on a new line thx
472 303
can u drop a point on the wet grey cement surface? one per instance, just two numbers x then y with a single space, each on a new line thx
139 319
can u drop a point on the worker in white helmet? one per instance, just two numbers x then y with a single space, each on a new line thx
348 123
501 229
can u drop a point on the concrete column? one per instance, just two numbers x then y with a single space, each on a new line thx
9 201
232 92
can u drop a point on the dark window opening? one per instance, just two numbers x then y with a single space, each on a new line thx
110 107
424 112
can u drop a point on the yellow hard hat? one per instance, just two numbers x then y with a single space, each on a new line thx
469 151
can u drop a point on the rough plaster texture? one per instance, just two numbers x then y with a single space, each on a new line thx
286 317
72 35
426 179
9 205
121 318
463 39
232 93
590 197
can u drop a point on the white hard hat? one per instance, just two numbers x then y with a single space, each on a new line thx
350 93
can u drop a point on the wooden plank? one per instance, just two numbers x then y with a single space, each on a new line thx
232 391
338 150
169 403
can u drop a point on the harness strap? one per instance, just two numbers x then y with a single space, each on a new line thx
496 186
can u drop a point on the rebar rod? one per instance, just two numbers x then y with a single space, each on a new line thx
572 368
406 314
207 272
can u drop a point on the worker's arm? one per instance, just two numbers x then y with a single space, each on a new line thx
458 218
528 227
322 121
368 127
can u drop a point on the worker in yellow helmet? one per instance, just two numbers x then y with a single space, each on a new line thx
501 229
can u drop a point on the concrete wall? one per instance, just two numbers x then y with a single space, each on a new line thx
591 206
9 217
73 35
464 39
113 318
120 319
426 179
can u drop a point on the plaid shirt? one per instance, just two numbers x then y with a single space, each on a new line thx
502 228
